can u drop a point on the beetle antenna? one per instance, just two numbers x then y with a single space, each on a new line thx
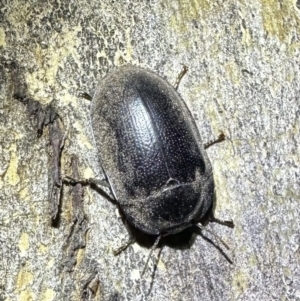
151 251
214 234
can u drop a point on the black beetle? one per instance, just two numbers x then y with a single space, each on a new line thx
151 152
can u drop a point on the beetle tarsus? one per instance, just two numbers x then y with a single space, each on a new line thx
180 76
227 223
218 140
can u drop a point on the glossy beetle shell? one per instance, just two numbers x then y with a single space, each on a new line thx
151 151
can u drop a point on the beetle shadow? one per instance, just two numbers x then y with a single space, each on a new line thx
183 240
180 241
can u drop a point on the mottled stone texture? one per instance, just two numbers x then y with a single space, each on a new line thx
243 79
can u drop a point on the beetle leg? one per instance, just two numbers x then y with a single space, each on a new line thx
95 184
227 223
151 251
91 181
180 76
219 139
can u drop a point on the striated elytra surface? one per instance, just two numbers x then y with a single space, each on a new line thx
151 151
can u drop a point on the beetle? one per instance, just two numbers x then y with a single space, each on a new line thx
151 152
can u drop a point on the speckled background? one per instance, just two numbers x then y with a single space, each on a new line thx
243 79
